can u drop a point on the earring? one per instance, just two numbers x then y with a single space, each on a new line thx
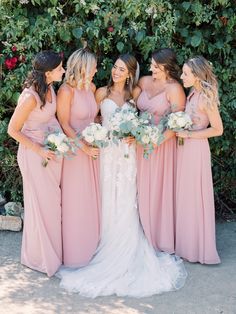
127 80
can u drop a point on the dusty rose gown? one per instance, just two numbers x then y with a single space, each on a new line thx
195 212
80 191
41 244
156 180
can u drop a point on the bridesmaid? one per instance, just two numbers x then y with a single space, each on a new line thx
161 93
76 109
34 116
195 212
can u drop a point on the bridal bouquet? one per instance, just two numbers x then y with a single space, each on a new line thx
59 143
122 124
95 135
147 134
179 121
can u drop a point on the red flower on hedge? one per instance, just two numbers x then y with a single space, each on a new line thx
10 63
13 48
110 29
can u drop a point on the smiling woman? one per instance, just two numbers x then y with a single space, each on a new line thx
161 94
124 263
76 109
195 212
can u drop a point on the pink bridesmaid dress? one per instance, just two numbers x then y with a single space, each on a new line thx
80 191
195 212
156 180
41 244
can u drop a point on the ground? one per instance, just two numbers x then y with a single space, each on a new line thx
208 290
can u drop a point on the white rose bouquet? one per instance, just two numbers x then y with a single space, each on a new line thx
147 134
179 121
59 143
95 135
122 124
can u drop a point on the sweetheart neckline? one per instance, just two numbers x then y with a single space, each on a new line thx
115 102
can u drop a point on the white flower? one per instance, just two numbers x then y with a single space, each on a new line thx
145 139
89 138
181 122
63 148
61 137
51 138
100 135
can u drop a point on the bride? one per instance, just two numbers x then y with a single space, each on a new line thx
124 263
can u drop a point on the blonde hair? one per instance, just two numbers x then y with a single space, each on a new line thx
202 70
79 67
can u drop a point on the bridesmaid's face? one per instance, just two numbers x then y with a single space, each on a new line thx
158 70
187 76
55 75
119 72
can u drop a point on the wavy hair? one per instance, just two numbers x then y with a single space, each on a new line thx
202 70
167 58
133 69
79 67
43 62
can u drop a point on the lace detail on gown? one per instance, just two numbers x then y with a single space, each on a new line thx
124 263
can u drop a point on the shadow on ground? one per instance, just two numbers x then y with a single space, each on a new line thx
208 290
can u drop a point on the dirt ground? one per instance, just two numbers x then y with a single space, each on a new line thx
208 290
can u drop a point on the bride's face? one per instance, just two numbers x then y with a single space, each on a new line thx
119 72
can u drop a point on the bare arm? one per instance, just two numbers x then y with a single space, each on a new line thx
136 92
215 129
20 115
100 94
177 99
64 99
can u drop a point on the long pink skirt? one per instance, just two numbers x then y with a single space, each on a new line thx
195 212
41 244
80 209
156 191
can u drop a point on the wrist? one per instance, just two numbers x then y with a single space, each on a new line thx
189 134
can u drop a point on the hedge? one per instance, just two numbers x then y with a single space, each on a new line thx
114 27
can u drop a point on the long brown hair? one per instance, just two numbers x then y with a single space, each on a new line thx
43 62
133 69
167 58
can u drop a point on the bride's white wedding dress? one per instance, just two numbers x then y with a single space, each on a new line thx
124 263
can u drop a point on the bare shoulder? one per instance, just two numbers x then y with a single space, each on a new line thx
174 87
27 100
93 87
144 81
136 92
100 94
204 106
65 89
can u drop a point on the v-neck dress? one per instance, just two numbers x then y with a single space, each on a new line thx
156 180
195 211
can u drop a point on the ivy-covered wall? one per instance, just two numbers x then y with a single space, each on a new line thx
113 27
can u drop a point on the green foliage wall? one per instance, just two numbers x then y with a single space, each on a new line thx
110 28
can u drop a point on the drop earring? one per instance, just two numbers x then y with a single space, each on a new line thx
127 80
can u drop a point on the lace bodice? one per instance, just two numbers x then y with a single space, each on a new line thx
108 107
